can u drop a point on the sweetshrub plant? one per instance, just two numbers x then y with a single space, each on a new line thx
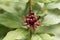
16 23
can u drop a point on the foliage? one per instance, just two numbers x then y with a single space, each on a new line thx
12 12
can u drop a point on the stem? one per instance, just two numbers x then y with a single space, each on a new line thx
30 34
30 11
30 6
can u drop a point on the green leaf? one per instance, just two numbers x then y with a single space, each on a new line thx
10 20
55 11
36 7
8 9
25 10
46 37
3 31
51 19
36 37
13 6
56 38
43 36
54 29
40 29
18 34
53 5
45 1
51 34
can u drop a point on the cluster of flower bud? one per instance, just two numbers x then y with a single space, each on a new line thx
32 21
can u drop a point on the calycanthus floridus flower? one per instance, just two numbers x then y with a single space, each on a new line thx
32 21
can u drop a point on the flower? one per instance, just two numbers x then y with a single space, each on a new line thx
32 21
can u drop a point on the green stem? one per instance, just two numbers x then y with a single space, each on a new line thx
30 11
30 6
30 34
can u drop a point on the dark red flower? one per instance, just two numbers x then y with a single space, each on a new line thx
32 21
